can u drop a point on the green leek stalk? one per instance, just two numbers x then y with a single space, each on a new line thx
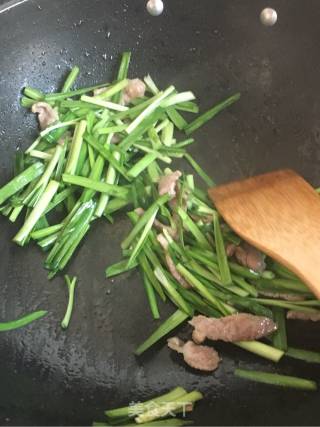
143 220
202 290
261 349
175 297
150 109
45 232
70 80
39 188
105 104
107 155
162 410
176 118
119 268
113 90
20 181
176 319
142 164
32 93
305 355
23 321
122 74
36 213
276 379
204 118
178 98
279 338
146 268
142 239
71 284
206 178
99 186
59 96
221 252
150 292
190 225
75 148
131 411
111 177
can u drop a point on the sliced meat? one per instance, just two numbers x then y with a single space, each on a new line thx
299 315
135 89
160 227
167 183
46 114
197 356
280 295
163 242
170 263
237 327
184 199
175 273
230 249
248 256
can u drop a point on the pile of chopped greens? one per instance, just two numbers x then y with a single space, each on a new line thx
75 168
101 157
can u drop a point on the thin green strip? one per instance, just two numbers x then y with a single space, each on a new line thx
276 379
165 328
101 187
23 321
204 118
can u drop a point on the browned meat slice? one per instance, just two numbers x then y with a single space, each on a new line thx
167 183
170 264
197 356
248 256
237 327
163 242
160 227
135 89
299 315
230 249
46 114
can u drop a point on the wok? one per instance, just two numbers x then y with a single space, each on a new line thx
215 48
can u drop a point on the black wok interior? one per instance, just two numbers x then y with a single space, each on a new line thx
215 48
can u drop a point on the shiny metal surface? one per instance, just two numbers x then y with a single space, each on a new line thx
268 16
155 7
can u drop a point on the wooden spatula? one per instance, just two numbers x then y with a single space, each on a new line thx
279 213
